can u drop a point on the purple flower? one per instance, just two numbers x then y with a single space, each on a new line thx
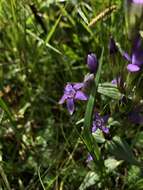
113 49
92 63
136 58
100 123
72 92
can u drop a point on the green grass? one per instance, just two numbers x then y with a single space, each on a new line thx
43 46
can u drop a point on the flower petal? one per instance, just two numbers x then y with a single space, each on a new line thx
105 129
137 1
92 62
105 118
77 86
126 56
70 105
68 87
62 100
133 67
80 96
89 158
94 128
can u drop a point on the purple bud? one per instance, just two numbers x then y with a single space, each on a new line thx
112 47
89 158
92 63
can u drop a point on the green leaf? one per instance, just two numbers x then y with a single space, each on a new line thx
109 90
99 137
121 150
53 29
134 178
43 42
138 140
111 164
4 178
90 179
7 111
83 16
87 137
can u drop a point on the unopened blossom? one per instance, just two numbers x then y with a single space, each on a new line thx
136 57
113 49
88 81
89 158
116 80
99 122
92 63
72 92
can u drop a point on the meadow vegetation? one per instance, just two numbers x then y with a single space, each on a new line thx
43 45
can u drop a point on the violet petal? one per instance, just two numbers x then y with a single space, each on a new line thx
94 128
80 96
89 158
105 129
62 100
92 62
133 67
126 56
105 118
70 105
68 87
77 86
137 1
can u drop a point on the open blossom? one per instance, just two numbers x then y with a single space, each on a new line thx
92 63
136 57
99 122
72 92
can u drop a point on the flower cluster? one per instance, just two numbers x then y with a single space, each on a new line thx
78 91
75 91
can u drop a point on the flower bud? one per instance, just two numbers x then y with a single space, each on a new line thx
113 49
92 63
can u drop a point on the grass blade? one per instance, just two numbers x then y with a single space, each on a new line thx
87 136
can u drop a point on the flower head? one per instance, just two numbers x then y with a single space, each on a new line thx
136 57
72 92
100 123
92 63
